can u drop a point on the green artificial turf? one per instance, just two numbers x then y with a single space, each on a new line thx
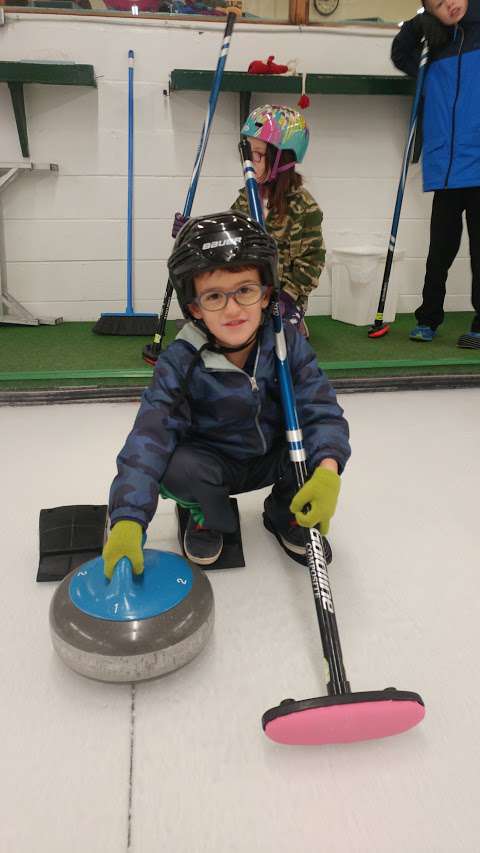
70 355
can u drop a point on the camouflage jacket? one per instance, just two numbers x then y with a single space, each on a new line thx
226 410
299 239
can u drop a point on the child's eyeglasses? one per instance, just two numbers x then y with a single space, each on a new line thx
246 294
257 156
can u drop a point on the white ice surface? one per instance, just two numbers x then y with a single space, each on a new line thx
405 580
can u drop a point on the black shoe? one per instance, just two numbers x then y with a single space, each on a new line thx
290 535
469 341
201 545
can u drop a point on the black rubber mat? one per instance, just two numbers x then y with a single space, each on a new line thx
69 536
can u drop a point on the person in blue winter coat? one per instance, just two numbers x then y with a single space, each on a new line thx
211 423
451 146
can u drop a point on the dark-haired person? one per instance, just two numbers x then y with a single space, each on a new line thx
278 138
451 147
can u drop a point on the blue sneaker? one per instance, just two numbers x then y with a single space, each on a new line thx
469 341
422 333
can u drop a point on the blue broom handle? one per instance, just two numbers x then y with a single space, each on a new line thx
212 103
250 178
129 307
202 145
411 135
337 682
294 433
403 179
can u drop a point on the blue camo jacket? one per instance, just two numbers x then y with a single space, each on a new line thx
227 411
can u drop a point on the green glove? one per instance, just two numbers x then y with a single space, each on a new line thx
320 492
125 540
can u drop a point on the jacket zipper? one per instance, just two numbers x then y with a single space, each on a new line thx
459 74
253 383
254 387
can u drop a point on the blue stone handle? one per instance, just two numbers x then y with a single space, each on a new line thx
124 587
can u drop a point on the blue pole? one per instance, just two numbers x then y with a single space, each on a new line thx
379 328
129 306
315 556
409 145
212 103
250 178
294 434
151 351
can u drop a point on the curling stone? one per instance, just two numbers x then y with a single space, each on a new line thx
132 627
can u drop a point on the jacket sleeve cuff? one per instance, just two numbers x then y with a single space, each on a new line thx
324 455
124 514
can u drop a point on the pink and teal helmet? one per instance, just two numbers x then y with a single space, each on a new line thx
282 127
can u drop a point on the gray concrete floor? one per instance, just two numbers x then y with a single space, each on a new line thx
204 778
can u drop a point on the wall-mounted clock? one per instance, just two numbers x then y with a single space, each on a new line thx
326 7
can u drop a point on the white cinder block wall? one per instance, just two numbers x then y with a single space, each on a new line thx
64 235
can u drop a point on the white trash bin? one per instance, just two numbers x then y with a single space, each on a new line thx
357 273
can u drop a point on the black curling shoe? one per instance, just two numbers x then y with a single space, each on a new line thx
202 545
289 534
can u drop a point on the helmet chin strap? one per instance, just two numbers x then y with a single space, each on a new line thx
276 169
211 344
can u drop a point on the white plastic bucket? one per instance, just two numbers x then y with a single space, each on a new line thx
357 273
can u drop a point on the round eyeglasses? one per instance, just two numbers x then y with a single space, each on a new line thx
216 300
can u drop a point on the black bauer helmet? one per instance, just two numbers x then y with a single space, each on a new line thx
229 239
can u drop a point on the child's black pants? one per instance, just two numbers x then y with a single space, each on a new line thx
445 235
200 475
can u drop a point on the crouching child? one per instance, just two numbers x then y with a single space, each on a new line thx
211 423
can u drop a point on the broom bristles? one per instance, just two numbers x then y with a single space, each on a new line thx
125 324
